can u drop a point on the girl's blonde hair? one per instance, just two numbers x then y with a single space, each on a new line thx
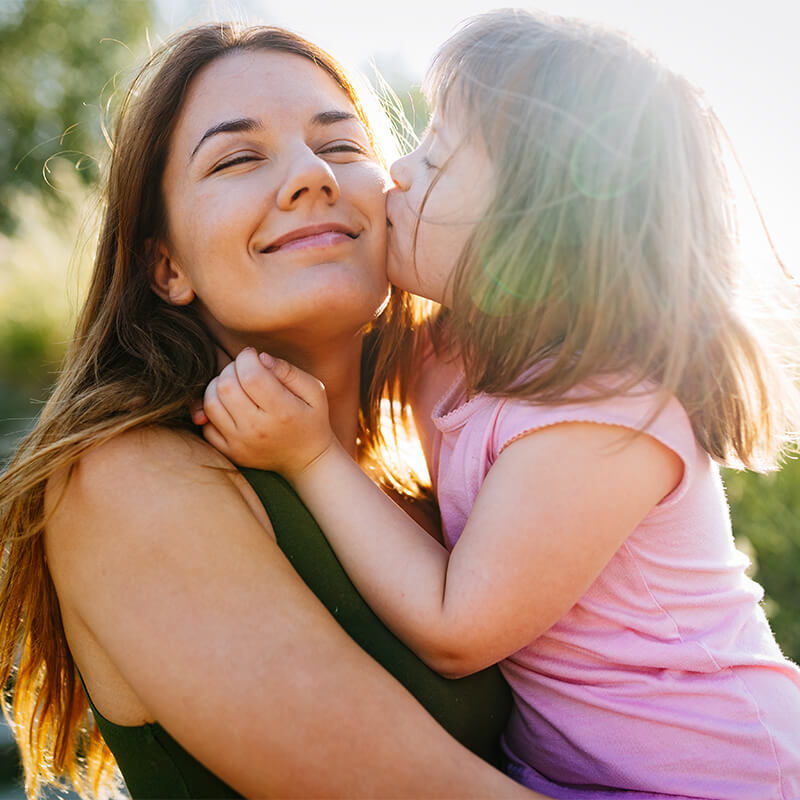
134 361
610 243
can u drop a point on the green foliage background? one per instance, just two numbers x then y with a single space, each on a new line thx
58 61
765 510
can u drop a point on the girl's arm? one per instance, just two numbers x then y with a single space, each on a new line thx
174 594
553 510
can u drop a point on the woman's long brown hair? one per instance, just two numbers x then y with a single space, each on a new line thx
134 361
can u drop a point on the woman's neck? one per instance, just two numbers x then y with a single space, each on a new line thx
340 372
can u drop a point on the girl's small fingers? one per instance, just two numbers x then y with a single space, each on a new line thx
260 384
237 401
300 383
212 435
214 409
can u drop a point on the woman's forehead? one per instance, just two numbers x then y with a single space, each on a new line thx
260 84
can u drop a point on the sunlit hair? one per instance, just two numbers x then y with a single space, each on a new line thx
135 360
609 246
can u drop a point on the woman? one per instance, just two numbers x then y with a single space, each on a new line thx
244 208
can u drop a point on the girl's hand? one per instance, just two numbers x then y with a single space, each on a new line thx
263 412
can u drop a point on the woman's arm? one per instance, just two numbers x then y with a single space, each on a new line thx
162 567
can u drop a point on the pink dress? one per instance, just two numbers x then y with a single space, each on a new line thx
664 680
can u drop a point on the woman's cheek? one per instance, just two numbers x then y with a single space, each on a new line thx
374 186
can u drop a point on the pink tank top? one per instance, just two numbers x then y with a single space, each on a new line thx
664 680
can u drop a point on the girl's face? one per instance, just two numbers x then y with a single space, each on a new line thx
275 206
458 169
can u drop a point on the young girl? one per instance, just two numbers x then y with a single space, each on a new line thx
588 370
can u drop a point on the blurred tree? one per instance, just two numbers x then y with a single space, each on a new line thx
58 59
765 510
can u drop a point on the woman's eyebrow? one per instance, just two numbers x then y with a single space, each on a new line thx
229 126
330 117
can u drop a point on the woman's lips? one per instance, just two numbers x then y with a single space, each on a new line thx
321 235
327 239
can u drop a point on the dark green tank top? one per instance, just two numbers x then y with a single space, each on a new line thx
473 709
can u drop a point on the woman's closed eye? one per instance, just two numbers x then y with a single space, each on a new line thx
342 146
240 158
427 164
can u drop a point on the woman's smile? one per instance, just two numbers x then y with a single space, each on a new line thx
313 236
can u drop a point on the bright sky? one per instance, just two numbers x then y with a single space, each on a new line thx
744 55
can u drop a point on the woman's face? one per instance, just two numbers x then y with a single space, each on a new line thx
276 221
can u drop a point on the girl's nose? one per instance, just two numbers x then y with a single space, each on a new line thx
309 178
400 171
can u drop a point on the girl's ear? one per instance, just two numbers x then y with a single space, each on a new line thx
168 279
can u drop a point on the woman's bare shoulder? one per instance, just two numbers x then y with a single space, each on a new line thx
142 483
131 461
154 449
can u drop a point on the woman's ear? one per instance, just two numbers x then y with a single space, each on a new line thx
168 279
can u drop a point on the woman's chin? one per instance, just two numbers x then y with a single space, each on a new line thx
348 295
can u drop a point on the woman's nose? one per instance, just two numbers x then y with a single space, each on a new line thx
400 171
309 178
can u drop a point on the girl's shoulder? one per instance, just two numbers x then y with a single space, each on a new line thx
644 408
